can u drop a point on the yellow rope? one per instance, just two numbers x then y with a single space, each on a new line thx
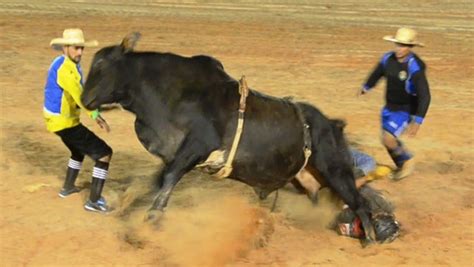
227 169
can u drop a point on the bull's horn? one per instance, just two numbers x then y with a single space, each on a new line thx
129 41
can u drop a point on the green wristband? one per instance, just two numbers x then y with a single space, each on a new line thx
95 114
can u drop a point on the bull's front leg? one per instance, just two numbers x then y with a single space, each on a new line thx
169 180
188 155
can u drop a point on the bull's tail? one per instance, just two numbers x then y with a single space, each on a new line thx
331 158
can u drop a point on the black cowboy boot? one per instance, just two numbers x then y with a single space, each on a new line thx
96 202
69 187
404 161
99 174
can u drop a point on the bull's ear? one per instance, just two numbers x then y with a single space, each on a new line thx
129 41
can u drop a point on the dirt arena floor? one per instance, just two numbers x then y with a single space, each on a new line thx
317 51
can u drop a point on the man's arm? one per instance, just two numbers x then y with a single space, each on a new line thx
374 77
424 99
71 84
372 80
424 95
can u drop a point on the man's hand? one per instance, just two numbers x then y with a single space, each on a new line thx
102 123
412 129
361 91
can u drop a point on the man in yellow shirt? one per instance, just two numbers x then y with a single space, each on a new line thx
62 108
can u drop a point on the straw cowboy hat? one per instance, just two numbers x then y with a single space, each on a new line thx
72 37
405 36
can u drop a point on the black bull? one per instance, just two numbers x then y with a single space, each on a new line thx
187 107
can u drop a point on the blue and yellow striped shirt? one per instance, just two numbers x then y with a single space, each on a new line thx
62 95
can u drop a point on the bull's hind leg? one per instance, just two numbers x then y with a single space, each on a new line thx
308 181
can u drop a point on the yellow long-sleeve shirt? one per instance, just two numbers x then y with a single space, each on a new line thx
62 95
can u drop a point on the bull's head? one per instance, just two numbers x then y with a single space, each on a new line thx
109 74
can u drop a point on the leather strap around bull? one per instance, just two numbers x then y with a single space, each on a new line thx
306 136
244 92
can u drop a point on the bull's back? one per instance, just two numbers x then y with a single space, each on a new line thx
178 72
207 70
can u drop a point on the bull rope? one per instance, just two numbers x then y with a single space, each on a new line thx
244 92
306 135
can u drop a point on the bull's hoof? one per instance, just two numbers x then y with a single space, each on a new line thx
314 198
153 216
367 242
371 236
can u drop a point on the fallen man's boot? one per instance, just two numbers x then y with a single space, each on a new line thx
381 172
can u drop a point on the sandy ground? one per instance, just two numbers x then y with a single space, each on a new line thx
317 51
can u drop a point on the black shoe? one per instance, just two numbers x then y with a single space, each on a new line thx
99 206
405 170
66 192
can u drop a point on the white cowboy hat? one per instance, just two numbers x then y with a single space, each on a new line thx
405 36
72 37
